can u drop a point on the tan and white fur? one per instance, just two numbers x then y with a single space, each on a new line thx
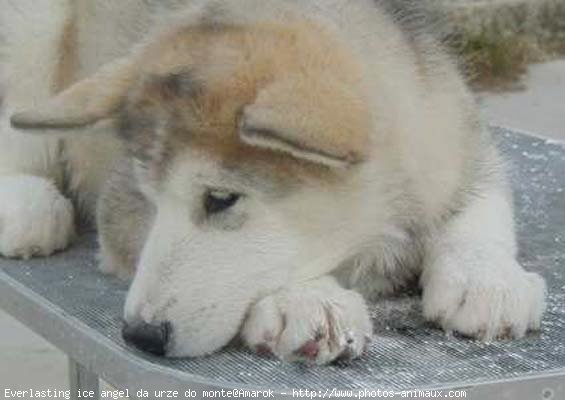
275 165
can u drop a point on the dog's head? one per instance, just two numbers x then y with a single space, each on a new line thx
244 137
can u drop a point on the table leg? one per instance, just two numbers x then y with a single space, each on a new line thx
82 381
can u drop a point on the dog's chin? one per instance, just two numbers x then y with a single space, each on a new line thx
200 336
188 347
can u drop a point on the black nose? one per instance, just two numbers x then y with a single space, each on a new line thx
147 337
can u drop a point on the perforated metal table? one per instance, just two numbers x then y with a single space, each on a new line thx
67 301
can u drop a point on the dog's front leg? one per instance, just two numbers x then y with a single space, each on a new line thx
317 321
472 282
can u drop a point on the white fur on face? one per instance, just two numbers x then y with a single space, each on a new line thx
201 272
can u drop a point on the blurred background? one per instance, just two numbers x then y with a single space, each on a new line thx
514 55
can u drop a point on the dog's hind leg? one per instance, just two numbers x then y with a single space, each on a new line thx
35 218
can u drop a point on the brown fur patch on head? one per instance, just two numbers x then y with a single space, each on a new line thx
296 80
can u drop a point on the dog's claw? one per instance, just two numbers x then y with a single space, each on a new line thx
263 350
309 350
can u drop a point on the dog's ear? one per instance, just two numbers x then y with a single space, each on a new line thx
319 120
84 103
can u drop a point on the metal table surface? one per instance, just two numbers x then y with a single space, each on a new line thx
68 301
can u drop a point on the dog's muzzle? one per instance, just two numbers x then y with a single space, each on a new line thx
147 337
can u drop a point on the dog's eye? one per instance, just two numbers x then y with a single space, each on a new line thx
217 201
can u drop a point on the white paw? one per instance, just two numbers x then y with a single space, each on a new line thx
316 323
506 302
35 219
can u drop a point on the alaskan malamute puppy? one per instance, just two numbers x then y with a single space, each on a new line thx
276 163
